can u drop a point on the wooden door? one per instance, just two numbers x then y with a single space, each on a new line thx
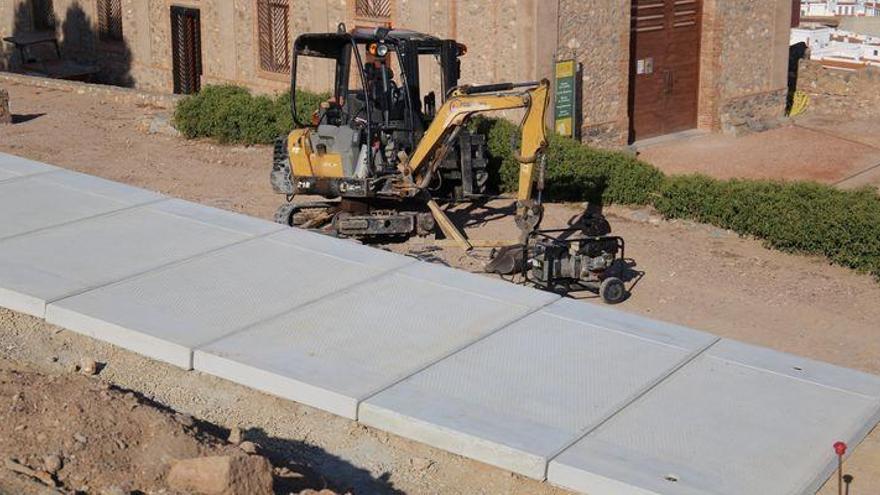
664 66
186 50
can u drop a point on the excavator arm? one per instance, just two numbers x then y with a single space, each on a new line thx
468 101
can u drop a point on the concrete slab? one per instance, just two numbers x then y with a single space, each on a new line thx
738 419
13 167
47 200
165 313
340 350
51 264
522 395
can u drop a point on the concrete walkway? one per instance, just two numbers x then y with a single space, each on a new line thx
587 397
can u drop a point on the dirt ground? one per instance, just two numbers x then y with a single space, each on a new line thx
687 273
89 434
839 151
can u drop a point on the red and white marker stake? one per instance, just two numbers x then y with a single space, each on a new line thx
840 450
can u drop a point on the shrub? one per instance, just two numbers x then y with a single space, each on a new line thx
231 114
800 217
574 172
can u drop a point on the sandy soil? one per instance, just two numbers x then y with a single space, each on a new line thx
687 273
63 430
823 149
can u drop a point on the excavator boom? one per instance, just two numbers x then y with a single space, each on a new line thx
466 102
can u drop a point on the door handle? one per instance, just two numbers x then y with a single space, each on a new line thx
668 81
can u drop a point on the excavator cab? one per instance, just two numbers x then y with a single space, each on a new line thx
375 116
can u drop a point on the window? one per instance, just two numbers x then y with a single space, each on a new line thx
373 9
43 15
110 20
273 28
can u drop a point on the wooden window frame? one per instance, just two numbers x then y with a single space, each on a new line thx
103 13
261 70
50 23
361 19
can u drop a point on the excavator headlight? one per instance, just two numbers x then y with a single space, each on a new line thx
378 49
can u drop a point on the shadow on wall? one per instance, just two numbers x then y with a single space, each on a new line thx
82 38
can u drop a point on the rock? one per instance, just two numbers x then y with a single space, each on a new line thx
15 466
248 447
88 366
80 438
641 215
184 419
52 463
161 124
420 463
235 435
325 491
222 475
5 114
113 490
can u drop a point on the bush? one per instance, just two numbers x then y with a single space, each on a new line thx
574 172
800 217
231 114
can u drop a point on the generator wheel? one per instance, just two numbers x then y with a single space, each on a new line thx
612 290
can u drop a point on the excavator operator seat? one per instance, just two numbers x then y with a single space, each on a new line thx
342 140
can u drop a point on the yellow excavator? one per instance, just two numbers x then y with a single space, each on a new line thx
380 154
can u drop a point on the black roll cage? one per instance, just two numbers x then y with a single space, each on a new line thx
407 44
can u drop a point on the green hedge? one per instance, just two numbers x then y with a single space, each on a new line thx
797 217
231 114
574 172
801 217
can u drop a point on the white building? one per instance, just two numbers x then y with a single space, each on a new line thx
828 8
838 49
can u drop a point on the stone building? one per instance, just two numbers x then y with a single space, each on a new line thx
648 67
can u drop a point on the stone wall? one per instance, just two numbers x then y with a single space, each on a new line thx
76 28
744 64
5 114
753 113
742 67
107 92
596 34
836 92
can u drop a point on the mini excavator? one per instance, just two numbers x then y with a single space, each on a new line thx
380 155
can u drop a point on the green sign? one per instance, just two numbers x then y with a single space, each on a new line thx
564 108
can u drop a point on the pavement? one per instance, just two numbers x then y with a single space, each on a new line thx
844 153
588 397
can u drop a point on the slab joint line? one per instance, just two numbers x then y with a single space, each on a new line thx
591 428
29 176
449 354
85 219
302 305
159 268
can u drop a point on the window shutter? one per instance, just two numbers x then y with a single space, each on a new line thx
110 20
373 9
43 15
273 26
